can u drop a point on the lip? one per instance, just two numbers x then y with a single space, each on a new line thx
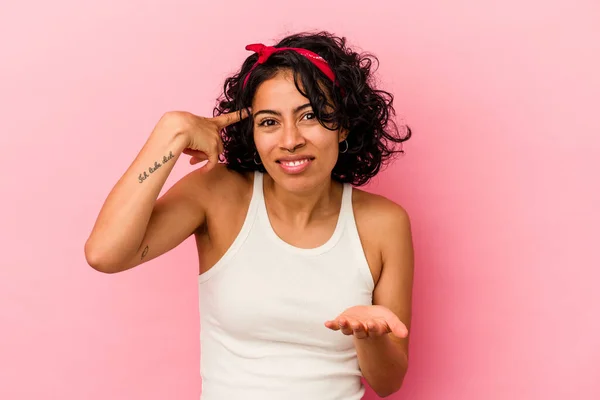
295 169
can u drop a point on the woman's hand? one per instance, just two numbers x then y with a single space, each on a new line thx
368 321
202 135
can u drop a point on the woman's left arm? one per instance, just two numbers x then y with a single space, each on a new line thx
384 359
380 331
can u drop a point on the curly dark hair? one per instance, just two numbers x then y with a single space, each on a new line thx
357 106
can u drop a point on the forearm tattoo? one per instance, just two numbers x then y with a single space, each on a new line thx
157 164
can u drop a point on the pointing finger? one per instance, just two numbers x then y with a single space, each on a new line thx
227 119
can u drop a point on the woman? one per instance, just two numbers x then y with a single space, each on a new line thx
305 282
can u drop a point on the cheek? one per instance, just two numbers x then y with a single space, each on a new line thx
258 140
265 143
329 146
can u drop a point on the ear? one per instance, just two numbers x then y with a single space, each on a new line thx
343 134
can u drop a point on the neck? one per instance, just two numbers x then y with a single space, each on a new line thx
300 208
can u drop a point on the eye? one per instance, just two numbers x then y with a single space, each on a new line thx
309 115
267 122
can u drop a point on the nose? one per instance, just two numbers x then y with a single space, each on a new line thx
291 138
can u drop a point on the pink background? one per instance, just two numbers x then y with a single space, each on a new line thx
501 179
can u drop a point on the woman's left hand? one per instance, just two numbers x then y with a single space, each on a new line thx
368 321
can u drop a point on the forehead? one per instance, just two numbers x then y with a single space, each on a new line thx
279 92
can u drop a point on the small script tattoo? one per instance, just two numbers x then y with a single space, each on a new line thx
144 252
157 164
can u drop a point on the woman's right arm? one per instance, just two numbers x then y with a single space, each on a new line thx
133 226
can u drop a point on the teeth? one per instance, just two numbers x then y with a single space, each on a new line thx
294 163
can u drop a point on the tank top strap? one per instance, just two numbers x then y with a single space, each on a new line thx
346 211
352 239
257 187
247 226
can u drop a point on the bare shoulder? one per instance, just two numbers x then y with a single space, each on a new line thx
384 230
378 214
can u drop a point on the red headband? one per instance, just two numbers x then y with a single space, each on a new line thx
264 52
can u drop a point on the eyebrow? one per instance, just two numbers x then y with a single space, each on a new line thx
273 112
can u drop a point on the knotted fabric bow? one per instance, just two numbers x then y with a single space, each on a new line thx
264 52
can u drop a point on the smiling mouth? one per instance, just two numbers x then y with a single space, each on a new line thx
294 163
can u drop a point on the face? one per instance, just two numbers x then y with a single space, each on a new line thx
295 149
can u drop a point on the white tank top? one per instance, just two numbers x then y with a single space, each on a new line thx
263 307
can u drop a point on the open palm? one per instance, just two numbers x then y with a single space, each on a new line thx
368 321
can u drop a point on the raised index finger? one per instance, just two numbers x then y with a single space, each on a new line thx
227 119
